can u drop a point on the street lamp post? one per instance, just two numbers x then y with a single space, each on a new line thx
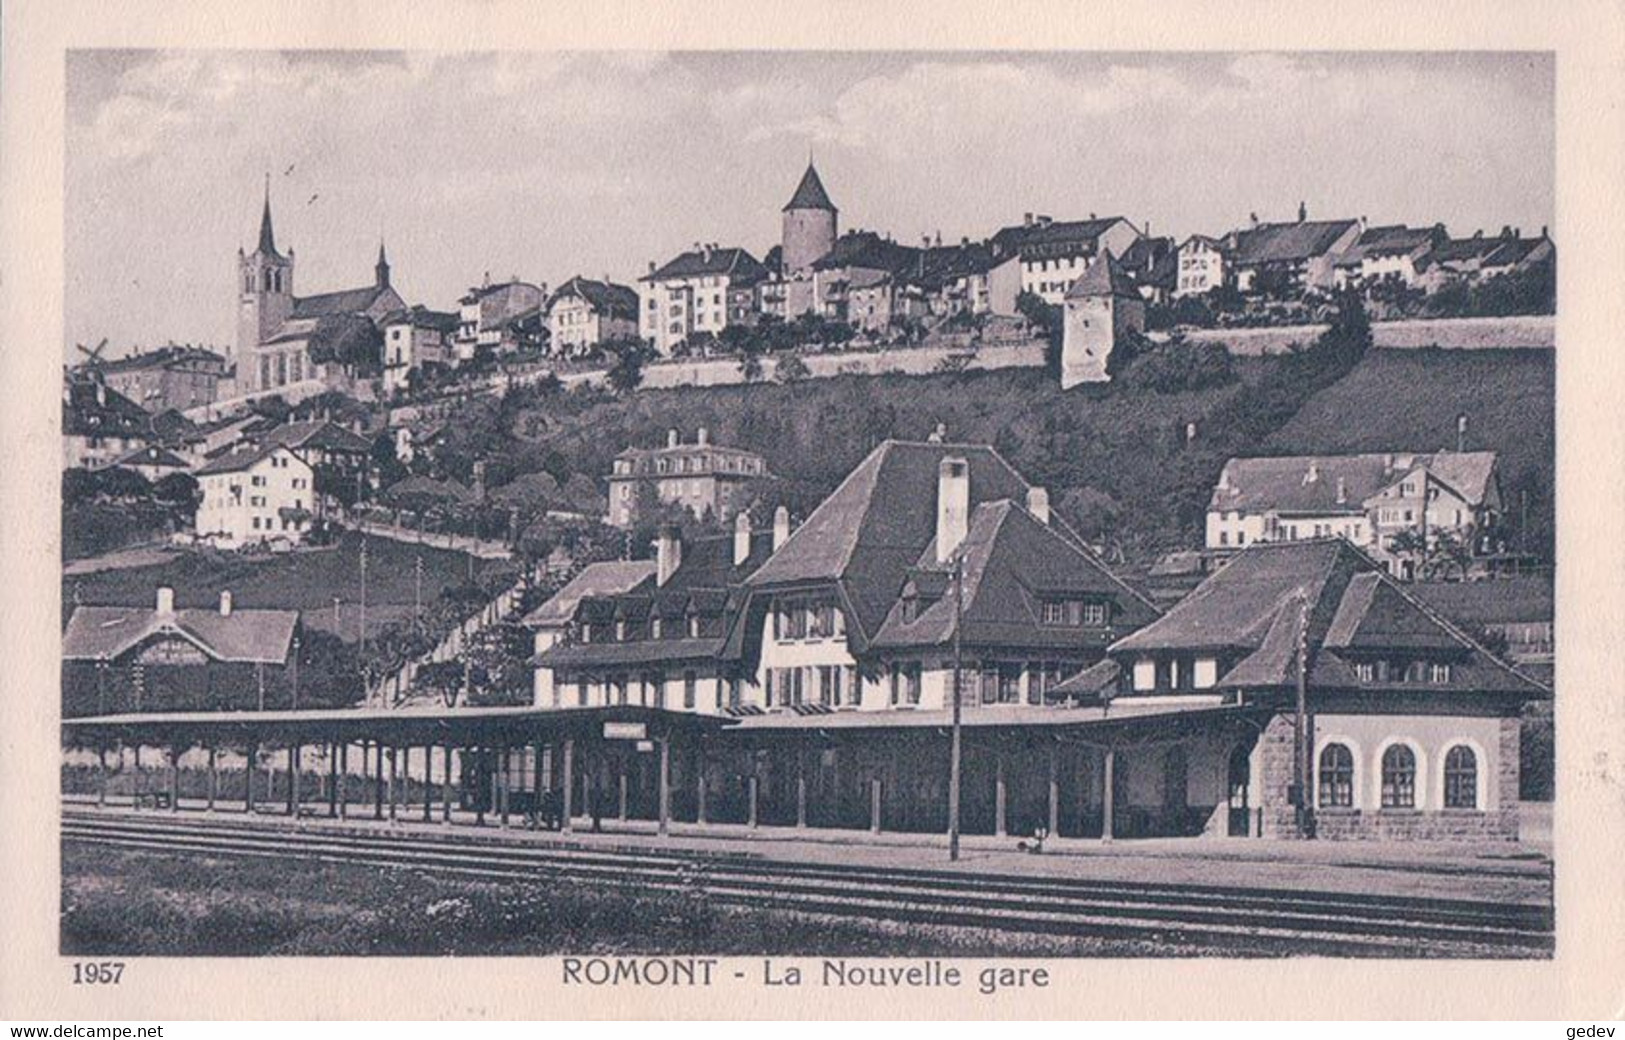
954 739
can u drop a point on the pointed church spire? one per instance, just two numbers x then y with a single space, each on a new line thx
382 267
267 238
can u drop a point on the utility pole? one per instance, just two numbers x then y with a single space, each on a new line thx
1300 731
417 591
954 739
366 669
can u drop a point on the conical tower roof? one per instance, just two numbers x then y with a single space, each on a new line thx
810 193
1104 277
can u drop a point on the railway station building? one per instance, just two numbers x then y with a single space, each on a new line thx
803 677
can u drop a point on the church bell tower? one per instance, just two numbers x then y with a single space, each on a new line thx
264 296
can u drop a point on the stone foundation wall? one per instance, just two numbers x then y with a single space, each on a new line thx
1413 825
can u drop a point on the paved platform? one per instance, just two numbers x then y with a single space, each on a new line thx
1505 871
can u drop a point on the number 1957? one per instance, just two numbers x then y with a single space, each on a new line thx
97 973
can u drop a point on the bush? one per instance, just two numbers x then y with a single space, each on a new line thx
791 369
1180 365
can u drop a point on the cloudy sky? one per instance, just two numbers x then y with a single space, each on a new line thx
549 165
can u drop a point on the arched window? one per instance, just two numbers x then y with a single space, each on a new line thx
1460 778
1399 778
265 279
1336 777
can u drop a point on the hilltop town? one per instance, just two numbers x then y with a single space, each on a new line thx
744 487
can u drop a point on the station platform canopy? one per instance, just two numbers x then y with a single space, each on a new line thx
407 726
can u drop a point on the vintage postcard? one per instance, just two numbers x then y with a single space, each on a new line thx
520 514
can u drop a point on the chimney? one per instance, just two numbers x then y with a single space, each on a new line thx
1026 220
703 437
225 603
1313 473
1461 432
1387 464
939 238
673 438
953 506
1038 504
1224 479
668 553
1091 215
651 267
1342 491
1253 217
741 537
479 481
1190 432
781 527
166 601
1303 213
1543 231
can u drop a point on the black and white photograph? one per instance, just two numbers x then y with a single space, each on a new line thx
544 504
1044 513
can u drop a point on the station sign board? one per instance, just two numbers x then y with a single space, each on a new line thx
626 731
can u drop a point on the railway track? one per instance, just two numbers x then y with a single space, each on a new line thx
1226 917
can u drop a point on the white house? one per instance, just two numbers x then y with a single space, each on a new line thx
701 291
1054 253
583 314
259 495
1366 500
1201 266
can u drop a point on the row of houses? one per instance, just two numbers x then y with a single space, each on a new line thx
341 340
1323 255
829 654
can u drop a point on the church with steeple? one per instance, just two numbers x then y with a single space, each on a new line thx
303 345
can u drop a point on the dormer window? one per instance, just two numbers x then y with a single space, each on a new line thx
620 631
693 626
655 628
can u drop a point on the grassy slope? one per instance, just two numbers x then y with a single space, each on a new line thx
813 432
1398 400
1409 400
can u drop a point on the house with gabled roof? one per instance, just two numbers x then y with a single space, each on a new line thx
583 313
119 659
1368 499
1411 728
846 624
1054 253
1285 259
1392 253
256 495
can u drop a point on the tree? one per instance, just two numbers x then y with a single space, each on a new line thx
499 665
119 483
1046 320
1348 337
750 360
441 679
626 372
1094 513
790 369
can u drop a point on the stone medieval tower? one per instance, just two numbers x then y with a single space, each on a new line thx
1102 308
809 224
264 292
